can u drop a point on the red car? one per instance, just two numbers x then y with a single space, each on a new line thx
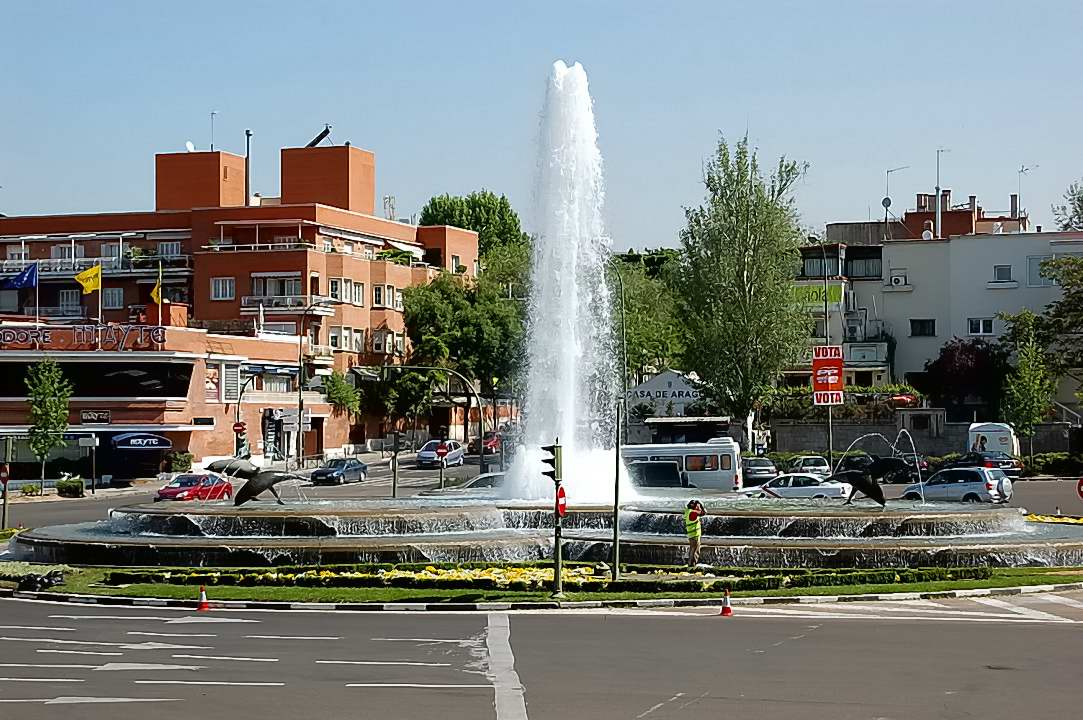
196 486
491 441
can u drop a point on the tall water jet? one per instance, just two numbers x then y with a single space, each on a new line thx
571 383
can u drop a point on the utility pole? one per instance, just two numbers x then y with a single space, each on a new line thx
827 341
615 572
6 479
395 464
556 462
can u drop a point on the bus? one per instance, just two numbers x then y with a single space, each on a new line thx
715 464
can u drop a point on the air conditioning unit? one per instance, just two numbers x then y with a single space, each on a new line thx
898 280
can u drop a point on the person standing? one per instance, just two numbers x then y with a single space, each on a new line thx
693 528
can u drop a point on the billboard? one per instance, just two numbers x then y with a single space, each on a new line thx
827 380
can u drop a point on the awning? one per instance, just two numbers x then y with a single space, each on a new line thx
365 373
406 247
141 441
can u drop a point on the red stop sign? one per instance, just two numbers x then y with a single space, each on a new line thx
1079 488
441 450
4 472
238 427
562 501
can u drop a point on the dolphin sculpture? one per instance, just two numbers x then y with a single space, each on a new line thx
256 480
861 481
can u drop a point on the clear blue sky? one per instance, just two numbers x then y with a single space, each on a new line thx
448 94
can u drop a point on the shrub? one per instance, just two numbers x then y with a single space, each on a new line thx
31 489
1053 463
179 460
71 488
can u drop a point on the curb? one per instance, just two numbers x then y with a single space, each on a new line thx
113 600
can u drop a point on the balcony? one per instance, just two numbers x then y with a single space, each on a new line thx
273 246
286 304
67 266
59 312
854 354
320 354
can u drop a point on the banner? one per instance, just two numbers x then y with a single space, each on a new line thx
813 295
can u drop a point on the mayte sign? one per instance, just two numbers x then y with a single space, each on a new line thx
82 337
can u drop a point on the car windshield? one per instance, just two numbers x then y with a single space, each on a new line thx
997 455
485 481
337 464
660 474
430 446
817 462
759 463
184 481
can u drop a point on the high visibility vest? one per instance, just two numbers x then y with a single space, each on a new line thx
692 528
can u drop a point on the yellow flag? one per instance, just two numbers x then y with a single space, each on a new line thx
156 293
90 279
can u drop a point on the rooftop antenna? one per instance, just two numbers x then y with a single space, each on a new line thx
886 202
189 146
1023 170
319 138
389 207
213 113
938 203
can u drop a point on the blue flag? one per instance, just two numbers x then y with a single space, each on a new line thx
28 278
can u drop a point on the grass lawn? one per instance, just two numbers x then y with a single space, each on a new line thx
88 581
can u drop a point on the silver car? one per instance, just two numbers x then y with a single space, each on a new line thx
815 464
976 484
758 470
427 457
800 485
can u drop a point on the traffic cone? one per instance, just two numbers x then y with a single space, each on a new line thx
203 605
727 611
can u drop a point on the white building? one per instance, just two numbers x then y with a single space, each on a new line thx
668 394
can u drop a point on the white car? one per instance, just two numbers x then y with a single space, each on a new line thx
800 485
812 464
977 484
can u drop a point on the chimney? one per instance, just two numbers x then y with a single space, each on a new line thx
1038 228
945 199
922 202
1015 206
973 202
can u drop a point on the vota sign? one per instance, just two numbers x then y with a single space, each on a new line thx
141 441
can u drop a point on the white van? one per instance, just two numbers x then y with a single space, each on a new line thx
990 437
715 464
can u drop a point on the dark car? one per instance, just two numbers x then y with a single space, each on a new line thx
994 459
339 471
657 474
491 441
886 469
196 486
758 470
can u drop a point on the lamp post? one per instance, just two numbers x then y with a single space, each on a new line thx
827 341
318 302
622 417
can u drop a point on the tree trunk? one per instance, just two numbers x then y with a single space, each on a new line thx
41 489
466 421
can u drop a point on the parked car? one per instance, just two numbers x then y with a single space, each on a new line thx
886 469
990 459
758 470
657 474
973 484
800 485
491 441
487 481
814 464
196 486
339 471
426 456
911 458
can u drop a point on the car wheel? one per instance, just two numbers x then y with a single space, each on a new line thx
971 498
819 497
911 496
340 480
361 477
227 496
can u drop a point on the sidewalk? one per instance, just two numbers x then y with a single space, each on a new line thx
137 487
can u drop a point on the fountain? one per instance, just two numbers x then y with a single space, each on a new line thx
571 391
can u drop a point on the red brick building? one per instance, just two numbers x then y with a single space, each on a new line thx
246 281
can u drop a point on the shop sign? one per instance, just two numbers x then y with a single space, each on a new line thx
141 441
95 417
84 337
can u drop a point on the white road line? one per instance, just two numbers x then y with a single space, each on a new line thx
49 665
36 627
417 640
1061 600
416 685
291 637
208 682
88 700
79 652
381 662
126 646
223 657
116 666
167 620
796 615
43 680
193 619
509 701
1024 611
108 617
652 708
883 611
154 634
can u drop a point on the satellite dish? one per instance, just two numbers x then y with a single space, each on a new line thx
886 202
189 145
927 235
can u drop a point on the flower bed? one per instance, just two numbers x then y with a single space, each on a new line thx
1062 519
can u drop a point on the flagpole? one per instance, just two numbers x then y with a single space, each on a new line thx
101 301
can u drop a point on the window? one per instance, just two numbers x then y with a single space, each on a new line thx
281 328
333 285
64 252
277 383
359 293
980 326
701 463
1034 271
222 288
231 382
922 328
389 295
400 344
68 299
819 328
377 296
276 286
359 340
347 338
347 290
336 337
18 252
398 299
920 422
727 462
111 251
112 298
814 266
1002 273
864 268
328 246
170 248
456 263
377 342
347 247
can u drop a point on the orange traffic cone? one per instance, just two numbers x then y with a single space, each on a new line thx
727 611
203 605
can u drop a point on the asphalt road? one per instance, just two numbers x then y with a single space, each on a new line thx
985 657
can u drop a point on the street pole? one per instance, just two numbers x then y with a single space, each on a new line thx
7 461
395 465
558 550
624 346
443 464
827 341
615 573
94 466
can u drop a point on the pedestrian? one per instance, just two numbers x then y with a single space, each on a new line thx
693 528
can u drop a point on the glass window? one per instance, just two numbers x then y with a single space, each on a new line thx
377 342
335 339
701 463
18 252
1002 273
923 328
377 295
727 462
456 263
333 288
277 383
347 290
398 299
222 288
169 248
359 339
231 382
980 326
113 298
347 338
359 293
68 298
400 343
1034 271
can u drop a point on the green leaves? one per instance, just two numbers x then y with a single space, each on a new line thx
1029 388
341 395
48 392
1069 216
491 217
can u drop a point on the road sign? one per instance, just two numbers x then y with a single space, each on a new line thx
441 450
5 471
827 384
562 501
89 441
1078 488
238 427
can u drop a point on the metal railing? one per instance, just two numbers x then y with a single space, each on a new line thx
261 247
292 303
109 264
56 311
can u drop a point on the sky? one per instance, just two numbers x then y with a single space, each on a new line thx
448 96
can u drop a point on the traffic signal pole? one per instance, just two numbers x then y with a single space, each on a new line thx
556 474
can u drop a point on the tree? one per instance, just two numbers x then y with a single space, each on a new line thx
1057 328
341 395
653 332
1028 389
1069 216
491 217
965 370
733 279
48 392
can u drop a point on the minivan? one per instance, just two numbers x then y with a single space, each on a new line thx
715 464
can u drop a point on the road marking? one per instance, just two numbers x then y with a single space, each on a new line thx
291 637
36 627
108 617
1060 599
509 701
191 619
44 680
208 682
78 652
154 634
417 685
1025 611
88 700
651 709
381 662
119 666
417 640
48 665
167 620
223 657
126 646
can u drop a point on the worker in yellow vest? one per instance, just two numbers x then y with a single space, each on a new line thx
693 528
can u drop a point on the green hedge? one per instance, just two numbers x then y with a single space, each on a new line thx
73 488
1060 464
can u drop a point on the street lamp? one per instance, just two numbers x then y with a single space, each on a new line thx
621 404
318 302
827 341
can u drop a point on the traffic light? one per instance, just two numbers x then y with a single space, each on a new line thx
555 461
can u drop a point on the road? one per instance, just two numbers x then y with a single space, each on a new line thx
985 657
